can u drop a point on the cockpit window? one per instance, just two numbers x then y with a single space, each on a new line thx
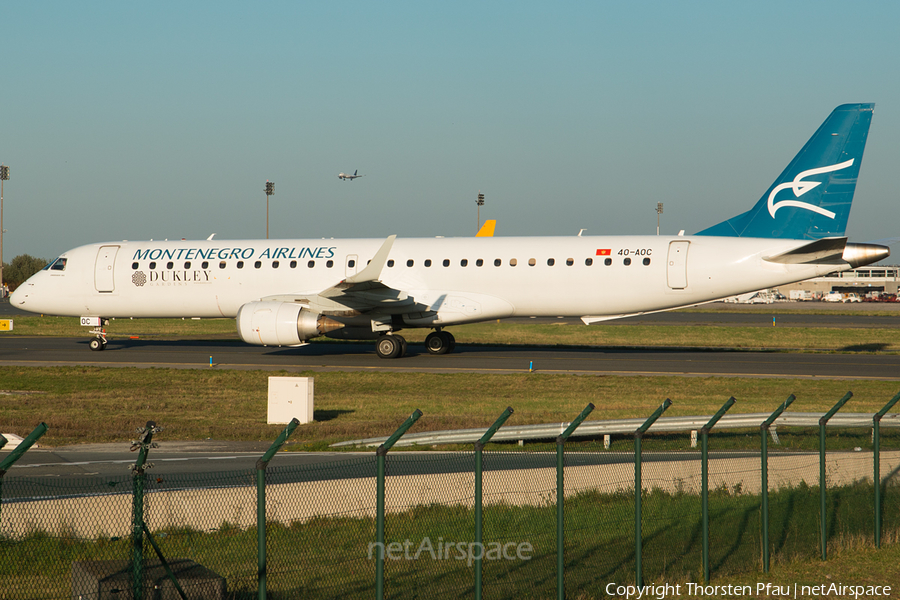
58 265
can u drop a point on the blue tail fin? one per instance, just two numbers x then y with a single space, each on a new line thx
811 198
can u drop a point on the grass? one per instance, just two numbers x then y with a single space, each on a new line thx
232 404
329 556
875 340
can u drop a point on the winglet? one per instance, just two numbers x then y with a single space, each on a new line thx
373 270
487 230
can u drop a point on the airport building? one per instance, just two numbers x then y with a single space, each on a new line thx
872 278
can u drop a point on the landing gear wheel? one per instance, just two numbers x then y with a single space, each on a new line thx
390 346
98 343
440 342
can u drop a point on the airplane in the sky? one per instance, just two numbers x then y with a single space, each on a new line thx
346 177
285 292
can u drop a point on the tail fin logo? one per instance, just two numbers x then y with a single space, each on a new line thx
800 187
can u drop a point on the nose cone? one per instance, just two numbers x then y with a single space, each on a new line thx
17 298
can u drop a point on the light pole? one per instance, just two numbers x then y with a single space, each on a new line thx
658 212
270 190
480 203
4 175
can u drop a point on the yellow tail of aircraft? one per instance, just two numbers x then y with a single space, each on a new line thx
487 230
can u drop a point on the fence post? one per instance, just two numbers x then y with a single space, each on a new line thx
380 455
479 446
638 434
822 503
705 481
876 441
764 470
560 498
144 443
261 466
17 453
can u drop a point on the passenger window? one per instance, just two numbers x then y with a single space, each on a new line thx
222 265
427 262
588 262
627 261
409 263
570 262
134 266
391 263
446 262
187 265
311 264
275 264
257 264
479 263
293 264
497 262
240 264
170 265
551 262
512 262
646 261
351 263
607 262
152 265
531 262
203 265
329 264
464 263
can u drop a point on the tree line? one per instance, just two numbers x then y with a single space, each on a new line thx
21 268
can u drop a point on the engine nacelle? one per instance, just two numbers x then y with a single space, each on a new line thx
281 323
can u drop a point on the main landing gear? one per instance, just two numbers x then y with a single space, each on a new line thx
440 342
392 345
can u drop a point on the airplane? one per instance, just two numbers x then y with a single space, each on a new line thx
487 230
346 177
286 292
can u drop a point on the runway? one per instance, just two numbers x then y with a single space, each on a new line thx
227 354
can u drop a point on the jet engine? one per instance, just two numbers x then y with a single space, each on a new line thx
267 323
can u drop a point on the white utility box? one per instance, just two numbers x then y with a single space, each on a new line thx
289 398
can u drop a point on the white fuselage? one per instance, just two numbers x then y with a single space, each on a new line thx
460 279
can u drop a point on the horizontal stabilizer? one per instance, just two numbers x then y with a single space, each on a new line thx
827 251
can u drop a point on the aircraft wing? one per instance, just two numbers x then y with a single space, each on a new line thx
360 293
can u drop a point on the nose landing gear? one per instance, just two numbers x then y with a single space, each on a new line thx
99 341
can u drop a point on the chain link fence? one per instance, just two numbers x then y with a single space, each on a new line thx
198 536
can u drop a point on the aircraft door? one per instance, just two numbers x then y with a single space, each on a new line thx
104 269
676 264
351 265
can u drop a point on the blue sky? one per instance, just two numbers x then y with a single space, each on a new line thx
165 119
